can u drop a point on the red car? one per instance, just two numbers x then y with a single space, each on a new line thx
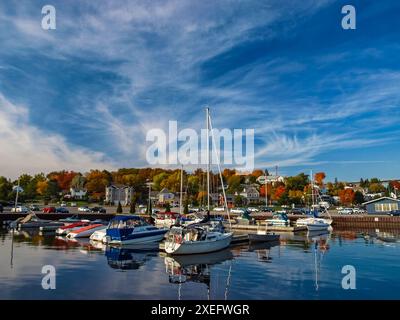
49 210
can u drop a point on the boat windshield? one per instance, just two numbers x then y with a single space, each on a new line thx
126 224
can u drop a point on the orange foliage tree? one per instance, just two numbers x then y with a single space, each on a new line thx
319 178
279 191
346 196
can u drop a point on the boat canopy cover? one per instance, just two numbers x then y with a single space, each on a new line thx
126 218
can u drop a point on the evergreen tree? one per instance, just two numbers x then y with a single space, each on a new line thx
186 207
119 208
167 207
132 208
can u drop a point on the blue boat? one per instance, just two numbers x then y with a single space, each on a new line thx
130 229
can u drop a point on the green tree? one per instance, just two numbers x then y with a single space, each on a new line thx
5 188
78 182
239 201
186 207
167 207
358 197
119 208
298 182
132 207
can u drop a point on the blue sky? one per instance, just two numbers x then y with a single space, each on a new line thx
84 95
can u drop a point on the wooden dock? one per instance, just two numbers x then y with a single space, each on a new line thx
250 227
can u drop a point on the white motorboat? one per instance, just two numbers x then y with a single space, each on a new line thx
305 221
64 230
317 224
85 232
99 235
278 219
166 219
130 229
195 239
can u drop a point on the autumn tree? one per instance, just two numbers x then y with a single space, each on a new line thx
96 183
346 196
319 178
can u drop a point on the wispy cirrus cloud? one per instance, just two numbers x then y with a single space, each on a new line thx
115 69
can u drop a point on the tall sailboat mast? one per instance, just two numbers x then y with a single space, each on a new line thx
219 167
180 199
208 156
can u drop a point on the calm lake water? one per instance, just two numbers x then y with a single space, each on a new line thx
300 267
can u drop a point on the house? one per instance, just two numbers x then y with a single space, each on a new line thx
382 205
214 198
165 196
78 194
251 194
230 200
119 193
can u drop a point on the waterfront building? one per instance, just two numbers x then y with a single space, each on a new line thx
165 196
119 193
251 194
77 194
382 205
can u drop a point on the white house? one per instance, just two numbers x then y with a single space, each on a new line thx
165 196
77 193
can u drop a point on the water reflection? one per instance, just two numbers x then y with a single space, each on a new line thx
263 250
129 258
196 268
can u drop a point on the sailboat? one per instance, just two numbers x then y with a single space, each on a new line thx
202 237
314 223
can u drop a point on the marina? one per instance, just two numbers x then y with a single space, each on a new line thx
302 265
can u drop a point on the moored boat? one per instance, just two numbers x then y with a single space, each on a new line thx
132 229
64 230
317 224
195 239
85 232
263 237
278 219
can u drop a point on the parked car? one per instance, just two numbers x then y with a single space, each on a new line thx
49 210
238 210
34 207
358 211
62 210
219 209
266 209
73 204
21 209
84 209
346 211
63 204
98 210
394 213
253 209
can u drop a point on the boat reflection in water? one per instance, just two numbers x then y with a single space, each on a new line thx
195 268
129 257
263 250
320 240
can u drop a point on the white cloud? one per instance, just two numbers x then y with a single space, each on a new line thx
28 149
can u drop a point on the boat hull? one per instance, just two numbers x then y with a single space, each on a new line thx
197 247
84 234
139 238
317 227
263 237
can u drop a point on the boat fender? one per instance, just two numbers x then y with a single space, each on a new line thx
178 238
